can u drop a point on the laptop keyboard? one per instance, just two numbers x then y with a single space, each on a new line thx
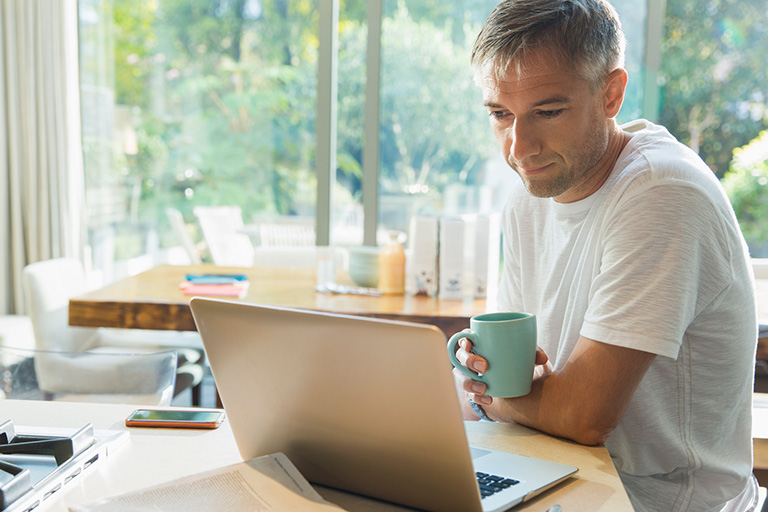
491 484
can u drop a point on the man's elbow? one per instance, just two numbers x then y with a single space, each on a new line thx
592 437
592 430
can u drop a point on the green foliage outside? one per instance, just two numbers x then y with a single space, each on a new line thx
714 75
747 186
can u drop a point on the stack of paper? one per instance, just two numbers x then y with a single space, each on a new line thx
265 483
221 285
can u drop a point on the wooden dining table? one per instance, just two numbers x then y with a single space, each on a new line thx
154 300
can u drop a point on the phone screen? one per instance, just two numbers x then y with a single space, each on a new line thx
172 418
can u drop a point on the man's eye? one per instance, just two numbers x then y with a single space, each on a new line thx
497 114
551 114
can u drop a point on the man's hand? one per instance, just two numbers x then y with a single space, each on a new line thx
475 390
584 400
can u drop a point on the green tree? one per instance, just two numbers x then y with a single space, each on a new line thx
434 129
715 80
746 184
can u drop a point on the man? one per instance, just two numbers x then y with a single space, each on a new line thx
622 242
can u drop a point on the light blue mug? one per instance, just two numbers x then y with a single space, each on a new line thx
508 342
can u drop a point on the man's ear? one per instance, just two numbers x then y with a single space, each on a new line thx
613 91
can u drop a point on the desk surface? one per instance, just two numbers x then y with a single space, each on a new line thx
158 455
153 300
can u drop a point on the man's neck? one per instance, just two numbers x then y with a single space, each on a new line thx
617 141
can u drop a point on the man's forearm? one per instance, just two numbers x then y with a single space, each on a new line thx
583 401
550 410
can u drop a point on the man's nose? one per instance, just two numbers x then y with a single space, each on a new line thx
524 141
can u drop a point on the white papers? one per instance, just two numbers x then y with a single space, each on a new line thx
269 483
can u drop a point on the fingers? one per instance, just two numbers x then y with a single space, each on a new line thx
541 357
469 359
474 390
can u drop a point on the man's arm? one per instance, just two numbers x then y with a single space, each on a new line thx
583 401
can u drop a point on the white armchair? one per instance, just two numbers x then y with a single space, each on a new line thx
49 285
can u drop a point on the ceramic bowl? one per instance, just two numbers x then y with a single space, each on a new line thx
363 266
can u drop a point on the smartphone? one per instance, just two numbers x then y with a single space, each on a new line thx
167 418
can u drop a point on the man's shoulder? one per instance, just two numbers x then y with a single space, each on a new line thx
653 157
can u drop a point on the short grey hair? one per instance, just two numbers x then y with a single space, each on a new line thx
585 33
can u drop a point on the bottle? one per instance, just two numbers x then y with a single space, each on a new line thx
392 267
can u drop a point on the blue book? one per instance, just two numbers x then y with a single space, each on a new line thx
215 278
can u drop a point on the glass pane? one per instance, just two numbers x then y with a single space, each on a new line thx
347 215
191 104
438 154
633 16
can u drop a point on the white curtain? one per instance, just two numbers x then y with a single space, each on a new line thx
41 167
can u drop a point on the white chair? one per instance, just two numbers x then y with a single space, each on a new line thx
179 227
16 331
222 229
286 231
49 285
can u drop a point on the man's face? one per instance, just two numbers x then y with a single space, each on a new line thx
551 125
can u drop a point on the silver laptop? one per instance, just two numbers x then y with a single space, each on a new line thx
359 404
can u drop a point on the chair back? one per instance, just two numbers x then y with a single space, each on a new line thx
221 226
49 285
180 230
286 231
139 367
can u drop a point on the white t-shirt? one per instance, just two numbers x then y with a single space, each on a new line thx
654 261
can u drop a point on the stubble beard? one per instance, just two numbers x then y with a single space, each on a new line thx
583 161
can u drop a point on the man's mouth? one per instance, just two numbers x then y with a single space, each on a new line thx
531 169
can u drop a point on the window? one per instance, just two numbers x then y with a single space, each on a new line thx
215 102
437 151
714 96
190 103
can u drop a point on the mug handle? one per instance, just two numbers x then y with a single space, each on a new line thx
471 335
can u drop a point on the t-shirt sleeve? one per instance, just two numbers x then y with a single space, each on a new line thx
665 257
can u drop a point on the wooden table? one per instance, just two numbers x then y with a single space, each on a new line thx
760 437
153 300
154 456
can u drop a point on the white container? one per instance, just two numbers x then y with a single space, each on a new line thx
451 259
422 262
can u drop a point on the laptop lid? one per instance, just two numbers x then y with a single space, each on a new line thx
360 404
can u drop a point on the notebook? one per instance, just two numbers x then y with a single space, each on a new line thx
359 404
